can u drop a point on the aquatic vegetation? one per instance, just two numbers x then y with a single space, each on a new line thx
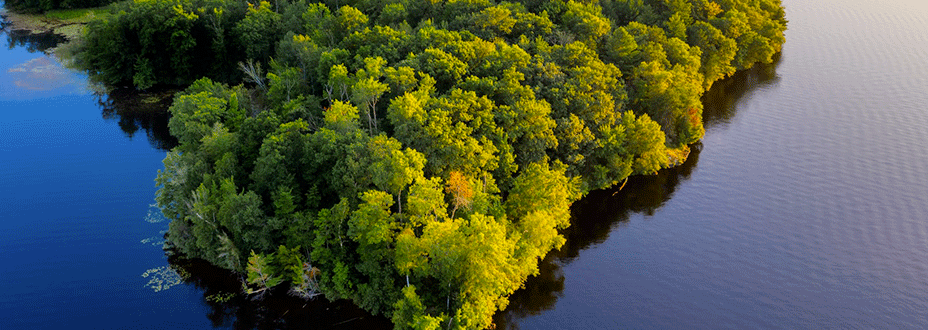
162 278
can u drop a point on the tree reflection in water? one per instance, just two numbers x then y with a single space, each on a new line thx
593 218
33 42
230 308
140 110
720 101
601 212
132 109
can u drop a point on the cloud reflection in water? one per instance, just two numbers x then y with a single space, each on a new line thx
43 74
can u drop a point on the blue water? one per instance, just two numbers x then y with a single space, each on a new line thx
77 229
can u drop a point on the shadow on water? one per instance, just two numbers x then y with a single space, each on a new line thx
593 218
230 308
598 214
720 101
135 110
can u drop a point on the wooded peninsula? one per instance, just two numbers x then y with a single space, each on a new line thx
415 157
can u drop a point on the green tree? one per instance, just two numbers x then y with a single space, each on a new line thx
259 31
586 22
409 313
260 274
367 90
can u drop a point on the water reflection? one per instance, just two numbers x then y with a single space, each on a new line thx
39 75
719 102
42 74
134 110
593 218
230 308
601 212
33 42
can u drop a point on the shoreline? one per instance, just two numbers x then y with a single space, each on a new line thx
42 25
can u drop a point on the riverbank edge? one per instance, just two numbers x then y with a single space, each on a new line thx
72 30
36 24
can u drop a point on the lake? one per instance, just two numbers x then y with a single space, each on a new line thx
805 206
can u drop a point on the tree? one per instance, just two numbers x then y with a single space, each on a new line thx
444 67
461 192
280 156
586 22
341 117
194 116
426 202
259 31
284 83
718 51
409 313
394 169
338 83
371 223
260 274
366 92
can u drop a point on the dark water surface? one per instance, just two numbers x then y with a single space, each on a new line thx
805 206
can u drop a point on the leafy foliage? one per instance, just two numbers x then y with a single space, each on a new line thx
418 158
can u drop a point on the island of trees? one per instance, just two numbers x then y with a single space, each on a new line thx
416 157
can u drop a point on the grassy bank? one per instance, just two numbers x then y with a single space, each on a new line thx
65 22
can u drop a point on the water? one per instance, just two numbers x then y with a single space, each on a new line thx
76 227
805 206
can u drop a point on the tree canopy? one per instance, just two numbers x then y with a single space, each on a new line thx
418 158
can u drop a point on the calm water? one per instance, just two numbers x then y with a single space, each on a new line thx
806 207
76 227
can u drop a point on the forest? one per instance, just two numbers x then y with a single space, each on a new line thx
415 157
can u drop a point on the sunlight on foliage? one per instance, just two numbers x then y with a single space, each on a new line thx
416 158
